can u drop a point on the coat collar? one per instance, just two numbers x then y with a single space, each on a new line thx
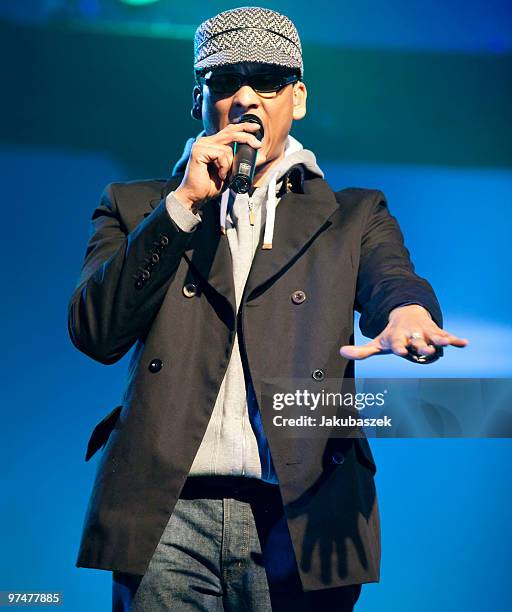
302 213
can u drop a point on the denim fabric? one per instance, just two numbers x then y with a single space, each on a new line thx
228 551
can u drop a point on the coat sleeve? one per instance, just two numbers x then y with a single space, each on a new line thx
123 280
386 276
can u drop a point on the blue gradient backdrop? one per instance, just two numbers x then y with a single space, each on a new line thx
444 504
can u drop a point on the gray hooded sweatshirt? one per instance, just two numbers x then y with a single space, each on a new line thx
235 443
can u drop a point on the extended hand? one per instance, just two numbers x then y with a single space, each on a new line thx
396 336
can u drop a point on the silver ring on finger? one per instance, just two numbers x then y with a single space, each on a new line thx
415 336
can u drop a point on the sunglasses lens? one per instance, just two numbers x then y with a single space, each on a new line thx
223 83
265 83
228 83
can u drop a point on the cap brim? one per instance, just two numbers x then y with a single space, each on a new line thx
260 55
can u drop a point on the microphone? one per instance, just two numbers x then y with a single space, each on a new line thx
244 161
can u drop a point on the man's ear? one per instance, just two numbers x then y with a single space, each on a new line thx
300 95
197 103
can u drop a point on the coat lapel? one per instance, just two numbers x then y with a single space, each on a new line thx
299 217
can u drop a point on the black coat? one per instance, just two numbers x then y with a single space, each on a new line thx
343 250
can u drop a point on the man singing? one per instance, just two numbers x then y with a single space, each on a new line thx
198 504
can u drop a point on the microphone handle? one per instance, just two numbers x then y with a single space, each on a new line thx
244 165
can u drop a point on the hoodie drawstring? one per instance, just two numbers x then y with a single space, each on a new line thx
271 213
292 145
224 209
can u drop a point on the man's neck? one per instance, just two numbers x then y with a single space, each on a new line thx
266 168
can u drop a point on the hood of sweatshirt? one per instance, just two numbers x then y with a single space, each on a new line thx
267 192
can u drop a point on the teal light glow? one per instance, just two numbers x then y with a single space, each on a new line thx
138 2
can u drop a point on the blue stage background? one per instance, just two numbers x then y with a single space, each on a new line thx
431 130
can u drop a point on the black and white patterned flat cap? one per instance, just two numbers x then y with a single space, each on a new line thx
247 34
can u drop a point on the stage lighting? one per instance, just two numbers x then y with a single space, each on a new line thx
138 2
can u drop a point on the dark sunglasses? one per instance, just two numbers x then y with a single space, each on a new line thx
265 82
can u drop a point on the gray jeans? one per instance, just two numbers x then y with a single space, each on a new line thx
226 547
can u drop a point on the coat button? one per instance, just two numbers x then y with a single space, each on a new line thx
145 274
139 284
155 365
155 257
318 374
338 457
164 240
298 297
189 290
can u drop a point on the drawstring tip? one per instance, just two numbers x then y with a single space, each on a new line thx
267 245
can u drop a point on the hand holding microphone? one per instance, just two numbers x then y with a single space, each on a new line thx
214 163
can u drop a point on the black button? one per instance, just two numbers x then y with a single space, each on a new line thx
139 284
338 457
145 274
318 374
155 257
155 365
298 297
164 241
189 290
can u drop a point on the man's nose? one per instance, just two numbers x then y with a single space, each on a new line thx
246 97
